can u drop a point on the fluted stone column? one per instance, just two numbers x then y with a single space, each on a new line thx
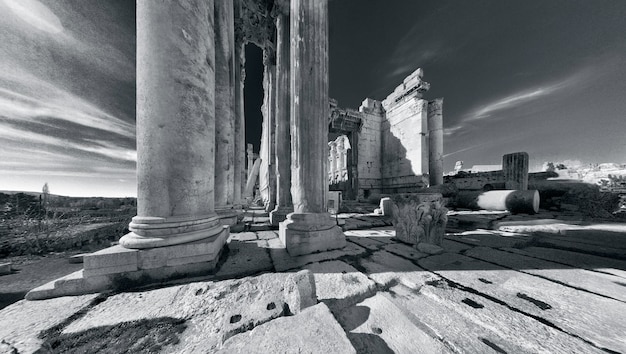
175 125
435 142
250 153
332 158
267 173
225 111
309 228
240 124
515 168
283 131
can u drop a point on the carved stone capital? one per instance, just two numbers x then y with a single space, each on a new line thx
419 218
435 106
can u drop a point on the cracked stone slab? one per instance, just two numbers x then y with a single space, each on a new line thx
242 236
24 320
213 311
376 325
340 285
575 259
267 235
314 330
471 323
387 269
580 313
404 250
245 258
369 243
604 284
283 261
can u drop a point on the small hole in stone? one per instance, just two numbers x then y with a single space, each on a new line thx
271 306
377 330
343 272
235 318
198 292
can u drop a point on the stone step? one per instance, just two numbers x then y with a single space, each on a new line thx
6 268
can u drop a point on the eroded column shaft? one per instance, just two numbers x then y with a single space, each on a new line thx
435 142
175 124
283 132
224 104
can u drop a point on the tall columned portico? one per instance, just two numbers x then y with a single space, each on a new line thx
309 228
284 205
175 126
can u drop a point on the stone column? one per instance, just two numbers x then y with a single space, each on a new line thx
225 112
250 153
283 132
175 125
267 174
309 228
435 142
240 123
332 152
515 168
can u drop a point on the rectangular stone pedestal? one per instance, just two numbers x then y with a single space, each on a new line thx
310 233
110 267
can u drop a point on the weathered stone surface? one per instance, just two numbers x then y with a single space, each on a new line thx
283 261
594 282
300 291
515 168
213 311
470 323
376 325
586 315
429 248
404 250
242 236
419 218
22 321
5 268
340 285
314 330
245 258
175 124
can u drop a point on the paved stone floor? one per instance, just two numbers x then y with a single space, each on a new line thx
506 284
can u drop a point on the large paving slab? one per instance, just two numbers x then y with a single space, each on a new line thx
487 326
23 321
575 259
594 318
283 261
313 330
245 258
594 282
213 311
340 285
376 325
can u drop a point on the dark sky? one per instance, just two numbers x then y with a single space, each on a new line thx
546 77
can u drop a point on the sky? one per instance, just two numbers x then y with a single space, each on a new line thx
545 77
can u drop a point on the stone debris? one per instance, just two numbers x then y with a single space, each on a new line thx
299 291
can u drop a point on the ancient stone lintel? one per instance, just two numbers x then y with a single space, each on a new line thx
419 218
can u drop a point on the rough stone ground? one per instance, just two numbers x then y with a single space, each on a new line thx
506 284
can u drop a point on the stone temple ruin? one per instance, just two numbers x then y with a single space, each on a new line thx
191 170
393 146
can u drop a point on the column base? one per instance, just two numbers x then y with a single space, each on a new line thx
305 233
229 215
115 267
151 232
279 214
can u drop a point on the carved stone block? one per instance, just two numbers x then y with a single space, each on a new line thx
419 218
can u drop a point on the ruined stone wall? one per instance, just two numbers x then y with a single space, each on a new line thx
404 144
370 149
